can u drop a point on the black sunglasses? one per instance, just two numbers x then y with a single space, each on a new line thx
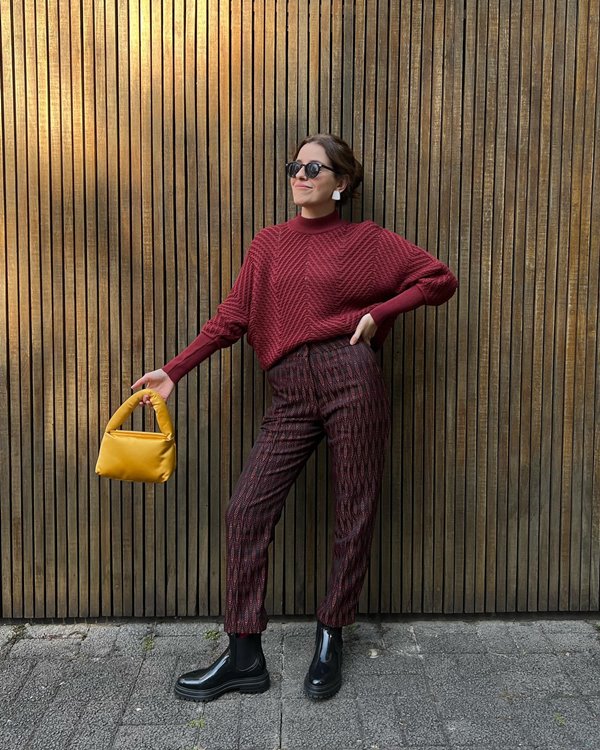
311 170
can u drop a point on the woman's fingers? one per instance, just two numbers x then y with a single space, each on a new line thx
158 381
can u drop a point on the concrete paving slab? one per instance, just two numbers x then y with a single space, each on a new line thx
99 641
13 674
310 724
536 672
420 720
530 637
155 738
381 724
45 648
559 722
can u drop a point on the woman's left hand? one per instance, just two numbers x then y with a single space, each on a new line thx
365 330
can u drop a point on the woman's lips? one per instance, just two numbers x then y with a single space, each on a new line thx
302 187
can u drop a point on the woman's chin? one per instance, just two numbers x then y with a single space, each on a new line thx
299 200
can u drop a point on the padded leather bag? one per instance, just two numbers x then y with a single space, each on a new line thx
134 456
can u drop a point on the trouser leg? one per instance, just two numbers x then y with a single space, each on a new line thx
289 434
357 423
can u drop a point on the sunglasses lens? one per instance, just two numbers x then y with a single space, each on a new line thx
312 169
293 168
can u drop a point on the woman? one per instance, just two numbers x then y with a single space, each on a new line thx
317 295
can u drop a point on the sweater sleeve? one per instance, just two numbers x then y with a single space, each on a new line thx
419 278
228 325
411 265
403 302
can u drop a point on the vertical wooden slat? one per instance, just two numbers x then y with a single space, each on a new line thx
138 340
522 309
577 297
465 499
46 302
131 357
230 358
536 174
191 245
103 319
484 148
326 52
545 303
155 599
595 375
557 244
70 414
199 307
204 452
511 331
477 376
5 551
56 309
10 501
433 509
163 138
568 281
587 309
24 495
336 65
395 110
420 373
37 400
448 238
496 505
182 264
114 292
217 387
80 250
150 263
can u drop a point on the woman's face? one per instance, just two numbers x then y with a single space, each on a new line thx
314 195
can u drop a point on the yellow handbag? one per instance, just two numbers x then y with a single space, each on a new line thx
138 456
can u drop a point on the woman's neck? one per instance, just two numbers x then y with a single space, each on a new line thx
320 224
317 212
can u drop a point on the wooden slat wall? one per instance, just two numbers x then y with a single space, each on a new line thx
142 145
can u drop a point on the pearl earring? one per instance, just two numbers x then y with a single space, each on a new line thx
336 195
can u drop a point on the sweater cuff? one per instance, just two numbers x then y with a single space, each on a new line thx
404 302
200 349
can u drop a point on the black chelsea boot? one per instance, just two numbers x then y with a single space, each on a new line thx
240 667
324 676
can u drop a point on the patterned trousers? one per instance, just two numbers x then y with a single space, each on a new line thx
329 388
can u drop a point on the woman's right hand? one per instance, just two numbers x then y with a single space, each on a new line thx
159 381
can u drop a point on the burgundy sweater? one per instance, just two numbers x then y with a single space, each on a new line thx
312 279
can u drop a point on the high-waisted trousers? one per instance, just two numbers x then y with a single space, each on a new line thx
322 388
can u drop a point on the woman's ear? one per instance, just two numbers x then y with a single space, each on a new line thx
344 185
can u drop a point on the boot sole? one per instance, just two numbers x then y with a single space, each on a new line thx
246 685
327 691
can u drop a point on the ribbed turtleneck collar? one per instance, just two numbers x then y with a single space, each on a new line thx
312 226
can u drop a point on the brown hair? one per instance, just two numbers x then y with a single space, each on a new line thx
342 160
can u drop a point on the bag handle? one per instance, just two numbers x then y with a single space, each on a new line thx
128 407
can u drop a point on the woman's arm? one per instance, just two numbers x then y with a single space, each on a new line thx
403 302
227 325
411 266
420 279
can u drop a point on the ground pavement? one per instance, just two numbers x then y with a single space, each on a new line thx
408 683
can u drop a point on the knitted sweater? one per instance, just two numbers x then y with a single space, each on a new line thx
313 279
